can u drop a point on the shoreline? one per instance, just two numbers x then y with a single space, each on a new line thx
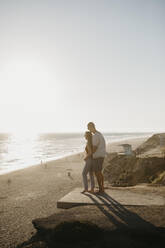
108 149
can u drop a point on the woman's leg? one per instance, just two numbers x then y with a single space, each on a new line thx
91 174
84 175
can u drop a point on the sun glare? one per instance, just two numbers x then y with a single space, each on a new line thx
27 95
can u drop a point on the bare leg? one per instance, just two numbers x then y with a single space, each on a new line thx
100 180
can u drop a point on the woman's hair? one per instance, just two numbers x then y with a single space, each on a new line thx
89 138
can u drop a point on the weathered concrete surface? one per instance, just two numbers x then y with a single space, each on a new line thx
112 197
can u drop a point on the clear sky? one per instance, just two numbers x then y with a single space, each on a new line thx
64 63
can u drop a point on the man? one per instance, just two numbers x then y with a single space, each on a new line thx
99 151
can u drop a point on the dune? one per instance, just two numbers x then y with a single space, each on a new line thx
152 146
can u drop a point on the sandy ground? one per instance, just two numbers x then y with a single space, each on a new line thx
33 192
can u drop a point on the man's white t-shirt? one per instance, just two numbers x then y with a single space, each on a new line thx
99 141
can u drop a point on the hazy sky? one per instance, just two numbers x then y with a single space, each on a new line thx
66 62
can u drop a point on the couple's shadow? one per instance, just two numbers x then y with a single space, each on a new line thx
112 209
128 223
130 229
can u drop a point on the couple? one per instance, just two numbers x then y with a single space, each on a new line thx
95 153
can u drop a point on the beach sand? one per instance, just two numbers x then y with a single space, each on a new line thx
33 192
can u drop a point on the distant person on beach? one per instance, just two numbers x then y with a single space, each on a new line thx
98 154
88 164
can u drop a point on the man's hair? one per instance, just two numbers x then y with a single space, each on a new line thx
91 124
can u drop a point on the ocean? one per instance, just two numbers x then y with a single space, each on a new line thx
21 151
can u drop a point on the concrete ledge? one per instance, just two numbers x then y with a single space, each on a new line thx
111 197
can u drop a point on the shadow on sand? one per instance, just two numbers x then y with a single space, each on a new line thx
131 230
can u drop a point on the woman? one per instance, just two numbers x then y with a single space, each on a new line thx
88 164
